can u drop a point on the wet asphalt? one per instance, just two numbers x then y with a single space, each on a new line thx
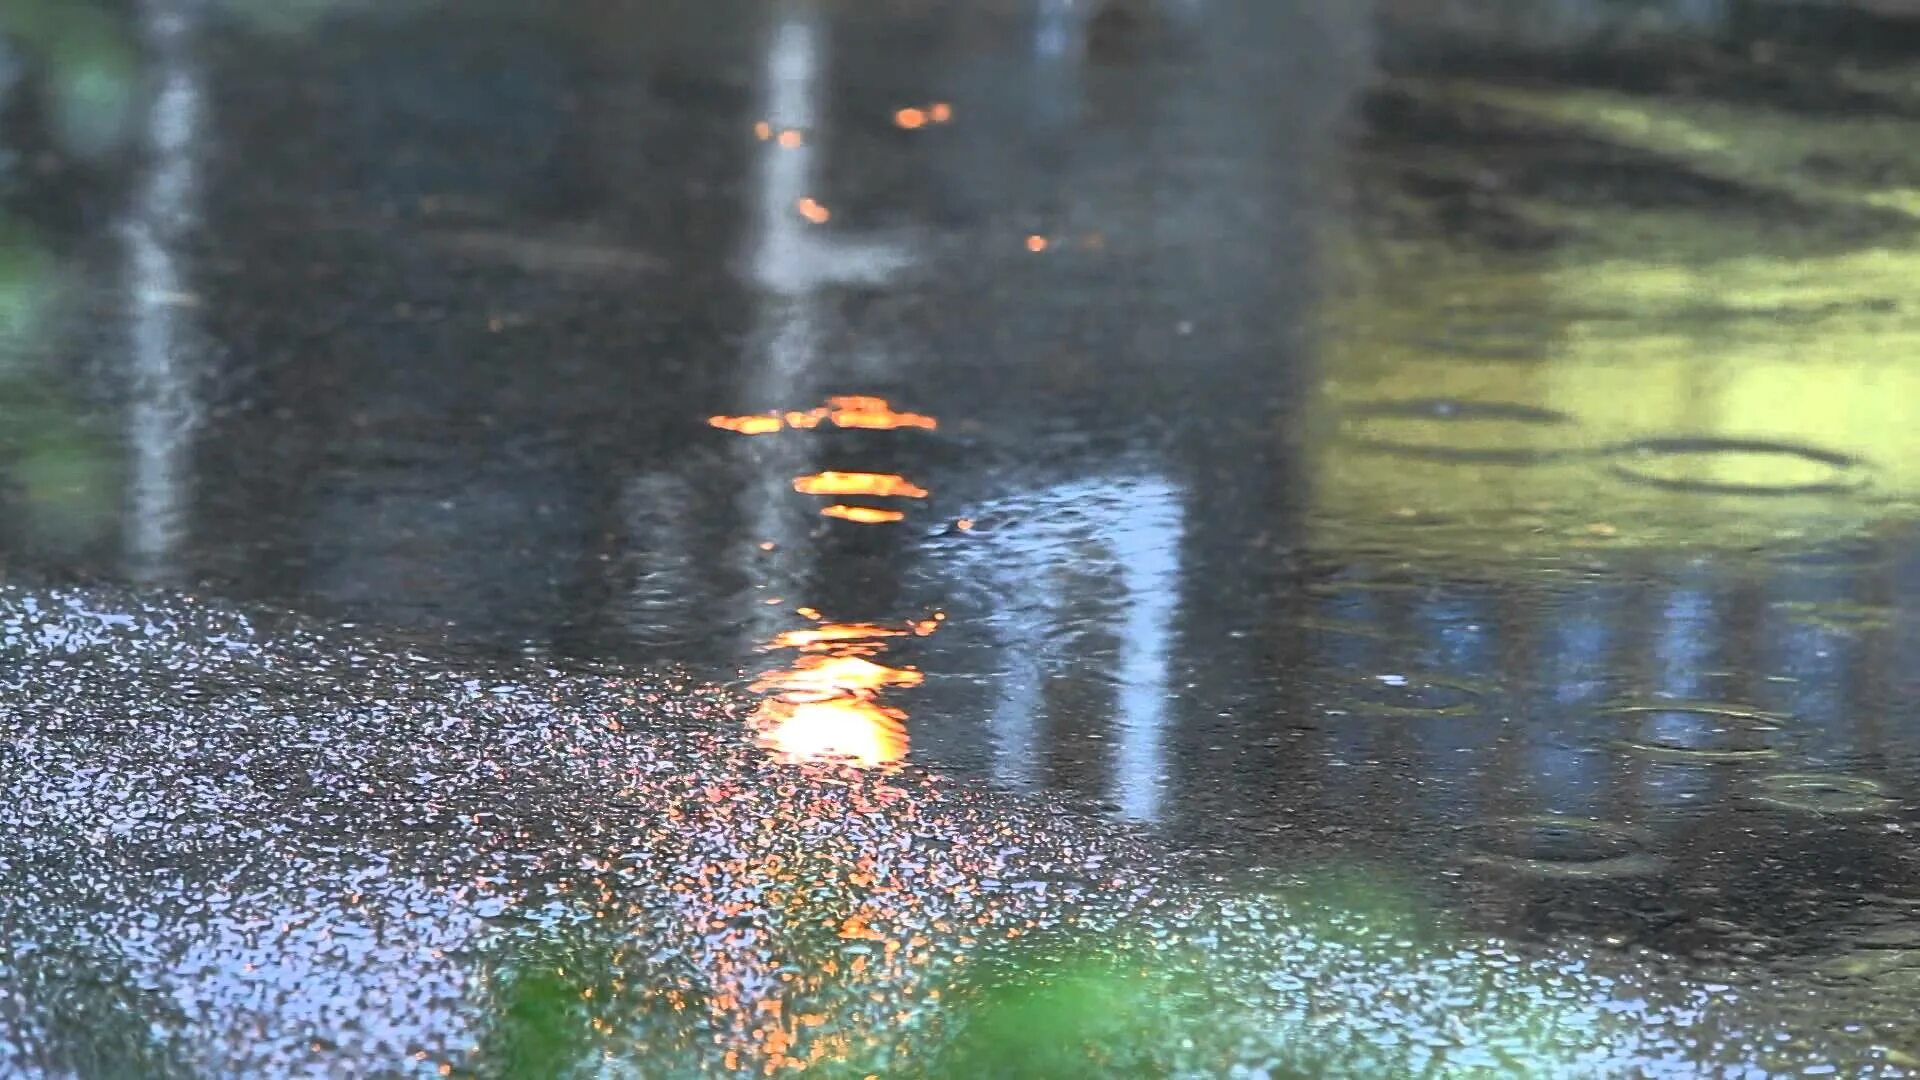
760 537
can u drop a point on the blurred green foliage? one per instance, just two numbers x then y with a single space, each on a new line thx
89 68
28 283
1090 1016
60 468
1130 999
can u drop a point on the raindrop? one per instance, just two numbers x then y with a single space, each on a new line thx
1403 694
1717 466
1552 845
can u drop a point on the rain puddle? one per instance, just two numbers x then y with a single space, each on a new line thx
835 539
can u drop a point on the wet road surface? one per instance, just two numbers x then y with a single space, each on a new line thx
1344 543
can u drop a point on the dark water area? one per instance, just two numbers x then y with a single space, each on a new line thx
1462 440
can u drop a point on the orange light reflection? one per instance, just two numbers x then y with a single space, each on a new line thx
846 411
746 425
873 413
862 515
833 675
854 729
818 637
858 483
826 706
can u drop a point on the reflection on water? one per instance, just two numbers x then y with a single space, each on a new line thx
1650 355
1534 514
163 410
858 483
863 515
846 411
827 704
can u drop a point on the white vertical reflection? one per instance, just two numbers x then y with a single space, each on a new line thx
791 261
1683 658
162 410
1147 542
786 314
1137 523
1059 49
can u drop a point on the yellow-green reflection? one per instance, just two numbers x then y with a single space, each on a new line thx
1663 373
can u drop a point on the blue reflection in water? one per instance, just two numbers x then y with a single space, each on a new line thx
1811 661
1147 543
1904 638
1567 771
1683 657
1358 648
1454 636
1455 643
1134 525
1349 629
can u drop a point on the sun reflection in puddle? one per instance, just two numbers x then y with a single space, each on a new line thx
862 515
826 705
886 485
857 411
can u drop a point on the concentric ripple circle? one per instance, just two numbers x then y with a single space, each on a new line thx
1446 429
1572 848
1822 793
1738 732
1719 466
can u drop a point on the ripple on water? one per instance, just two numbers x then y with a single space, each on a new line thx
1698 731
1468 432
1402 694
1721 466
1840 616
546 870
1320 628
1822 793
1572 848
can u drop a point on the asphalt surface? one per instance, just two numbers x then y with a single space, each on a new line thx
1360 542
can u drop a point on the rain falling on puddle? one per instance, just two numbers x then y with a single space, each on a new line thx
776 538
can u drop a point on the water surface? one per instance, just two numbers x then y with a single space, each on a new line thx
1238 443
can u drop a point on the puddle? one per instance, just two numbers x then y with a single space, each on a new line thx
1485 452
